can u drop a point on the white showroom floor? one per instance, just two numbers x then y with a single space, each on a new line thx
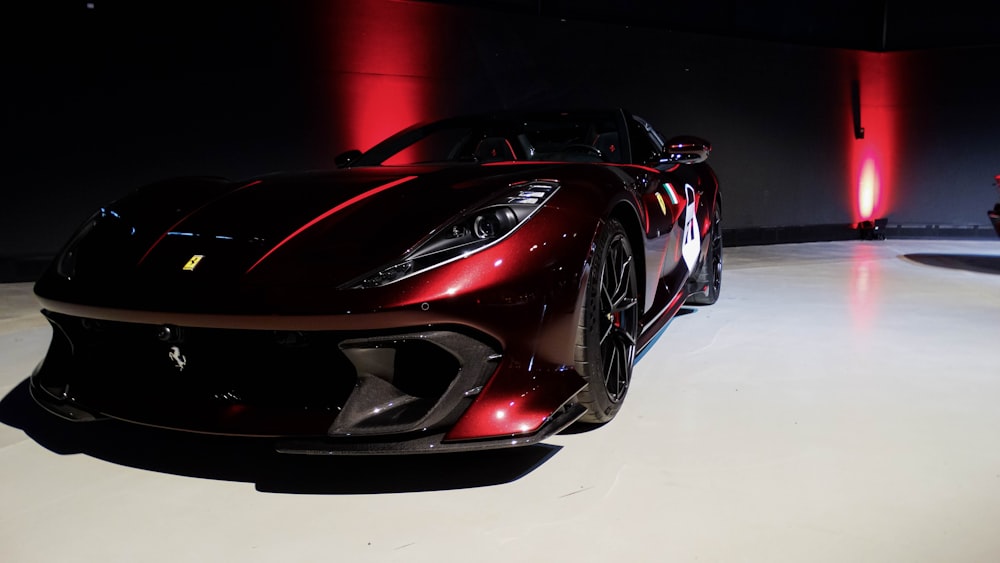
840 403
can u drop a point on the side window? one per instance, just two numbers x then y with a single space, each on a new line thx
658 139
644 148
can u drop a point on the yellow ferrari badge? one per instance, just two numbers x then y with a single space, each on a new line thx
193 262
663 205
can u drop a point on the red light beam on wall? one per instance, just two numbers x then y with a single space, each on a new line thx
383 65
873 156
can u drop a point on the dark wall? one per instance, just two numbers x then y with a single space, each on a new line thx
949 147
99 100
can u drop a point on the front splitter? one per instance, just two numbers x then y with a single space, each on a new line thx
431 443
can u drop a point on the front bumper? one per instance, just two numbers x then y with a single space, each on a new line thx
321 391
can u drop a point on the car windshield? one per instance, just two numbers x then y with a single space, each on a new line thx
562 137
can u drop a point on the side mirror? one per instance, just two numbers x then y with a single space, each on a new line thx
686 149
347 157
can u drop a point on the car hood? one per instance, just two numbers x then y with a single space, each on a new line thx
324 228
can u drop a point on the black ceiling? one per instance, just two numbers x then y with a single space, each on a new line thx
873 25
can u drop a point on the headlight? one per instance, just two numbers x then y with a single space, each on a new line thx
494 223
468 234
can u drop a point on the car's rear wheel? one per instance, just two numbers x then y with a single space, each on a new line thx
709 274
609 322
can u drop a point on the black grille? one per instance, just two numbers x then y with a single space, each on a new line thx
281 369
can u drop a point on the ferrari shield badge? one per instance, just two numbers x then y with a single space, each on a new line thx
193 262
663 205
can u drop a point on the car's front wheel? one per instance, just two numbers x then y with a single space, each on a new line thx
609 322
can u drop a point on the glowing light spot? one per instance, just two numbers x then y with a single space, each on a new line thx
868 189
452 290
500 415
498 262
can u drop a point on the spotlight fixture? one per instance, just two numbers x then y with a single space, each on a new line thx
873 229
859 131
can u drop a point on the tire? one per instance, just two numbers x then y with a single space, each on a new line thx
709 273
609 323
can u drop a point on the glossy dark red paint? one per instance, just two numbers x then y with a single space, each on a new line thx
182 220
328 213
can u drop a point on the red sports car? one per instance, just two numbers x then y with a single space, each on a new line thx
475 282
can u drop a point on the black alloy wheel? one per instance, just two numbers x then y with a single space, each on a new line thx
709 274
609 323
